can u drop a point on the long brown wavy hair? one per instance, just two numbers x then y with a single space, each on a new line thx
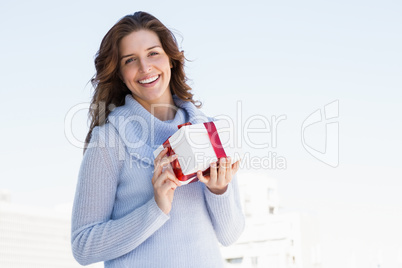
109 90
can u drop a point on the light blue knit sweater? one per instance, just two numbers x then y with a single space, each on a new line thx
115 217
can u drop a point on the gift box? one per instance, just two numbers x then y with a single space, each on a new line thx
197 146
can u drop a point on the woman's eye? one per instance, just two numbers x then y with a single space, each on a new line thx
129 60
153 53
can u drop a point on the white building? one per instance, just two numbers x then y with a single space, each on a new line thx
34 237
272 239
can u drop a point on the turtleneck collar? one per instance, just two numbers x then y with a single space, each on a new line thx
142 132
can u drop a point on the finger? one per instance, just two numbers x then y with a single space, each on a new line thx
165 161
235 167
167 188
172 177
229 174
213 171
166 175
160 155
157 173
172 158
158 169
222 169
202 178
228 163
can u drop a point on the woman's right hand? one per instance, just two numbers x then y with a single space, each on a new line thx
164 181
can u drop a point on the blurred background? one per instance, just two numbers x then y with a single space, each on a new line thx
317 82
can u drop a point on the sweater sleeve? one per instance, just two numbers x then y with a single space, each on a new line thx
94 235
226 213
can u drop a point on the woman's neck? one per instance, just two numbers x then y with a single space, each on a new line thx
164 110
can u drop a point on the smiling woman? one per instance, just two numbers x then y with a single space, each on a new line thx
145 70
128 212
110 89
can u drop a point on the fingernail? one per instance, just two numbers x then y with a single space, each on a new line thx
174 156
223 160
213 164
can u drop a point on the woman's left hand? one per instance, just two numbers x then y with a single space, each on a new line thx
218 180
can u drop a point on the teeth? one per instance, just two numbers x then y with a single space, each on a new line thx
149 80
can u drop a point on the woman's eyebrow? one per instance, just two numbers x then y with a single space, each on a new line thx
125 56
153 47
129 55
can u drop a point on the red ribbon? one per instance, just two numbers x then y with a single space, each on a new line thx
216 145
182 125
215 140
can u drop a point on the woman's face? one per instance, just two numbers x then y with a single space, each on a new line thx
145 68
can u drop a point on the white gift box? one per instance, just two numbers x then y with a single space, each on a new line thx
197 147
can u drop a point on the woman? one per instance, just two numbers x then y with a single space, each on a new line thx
129 210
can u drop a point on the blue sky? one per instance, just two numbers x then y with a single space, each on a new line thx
279 58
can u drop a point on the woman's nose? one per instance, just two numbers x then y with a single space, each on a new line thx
144 66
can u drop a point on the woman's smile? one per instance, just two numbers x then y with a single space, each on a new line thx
149 81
